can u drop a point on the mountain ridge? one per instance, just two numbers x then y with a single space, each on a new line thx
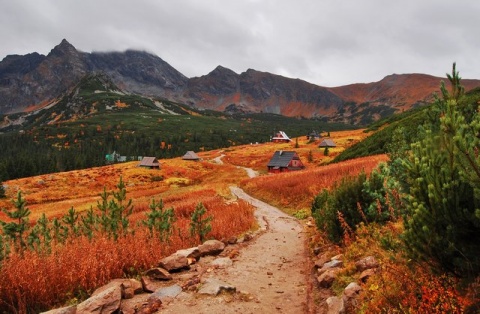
33 79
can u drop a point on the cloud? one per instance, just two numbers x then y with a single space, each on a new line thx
326 42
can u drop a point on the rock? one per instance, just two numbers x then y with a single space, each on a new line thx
151 307
158 273
322 260
64 310
211 247
165 294
366 263
338 257
148 284
129 287
350 296
326 279
174 262
133 305
213 286
366 274
192 252
222 262
191 283
335 305
107 301
335 263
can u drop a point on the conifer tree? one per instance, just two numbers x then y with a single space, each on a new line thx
17 228
442 225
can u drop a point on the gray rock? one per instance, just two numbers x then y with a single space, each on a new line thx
165 294
334 263
213 286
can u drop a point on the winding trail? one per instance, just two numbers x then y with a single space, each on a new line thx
270 273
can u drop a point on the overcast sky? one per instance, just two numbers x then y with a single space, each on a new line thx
325 42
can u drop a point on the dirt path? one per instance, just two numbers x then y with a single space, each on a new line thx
270 273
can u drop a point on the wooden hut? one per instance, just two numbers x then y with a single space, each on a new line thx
283 161
327 142
190 155
149 162
281 137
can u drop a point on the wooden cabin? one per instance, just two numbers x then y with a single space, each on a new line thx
284 161
190 155
149 162
281 137
327 142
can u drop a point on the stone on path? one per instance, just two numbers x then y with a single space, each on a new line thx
211 247
213 286
107 301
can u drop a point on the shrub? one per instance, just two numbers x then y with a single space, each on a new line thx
354 200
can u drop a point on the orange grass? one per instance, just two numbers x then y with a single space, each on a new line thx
295 190
37 281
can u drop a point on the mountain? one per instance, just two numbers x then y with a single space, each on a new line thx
34 81
256 91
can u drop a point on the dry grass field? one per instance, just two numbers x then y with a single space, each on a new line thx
80 265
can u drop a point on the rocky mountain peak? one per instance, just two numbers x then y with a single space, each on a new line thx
63 49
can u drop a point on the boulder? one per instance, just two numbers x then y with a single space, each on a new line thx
334 263
148 284
158 273
322 260
326 279
366 274
192 252
211 247
335 305
105 302
366 263
350 296
129 287
174 262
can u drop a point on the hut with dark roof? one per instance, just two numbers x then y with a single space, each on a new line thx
327 142
190 155
283 161
149 162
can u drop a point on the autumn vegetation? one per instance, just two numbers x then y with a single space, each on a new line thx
414 209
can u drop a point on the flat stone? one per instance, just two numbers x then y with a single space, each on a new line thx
164 294
213 286
222 262
64 310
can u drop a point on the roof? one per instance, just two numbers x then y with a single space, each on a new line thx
327 142
281 158
281 136
149 162
190 155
